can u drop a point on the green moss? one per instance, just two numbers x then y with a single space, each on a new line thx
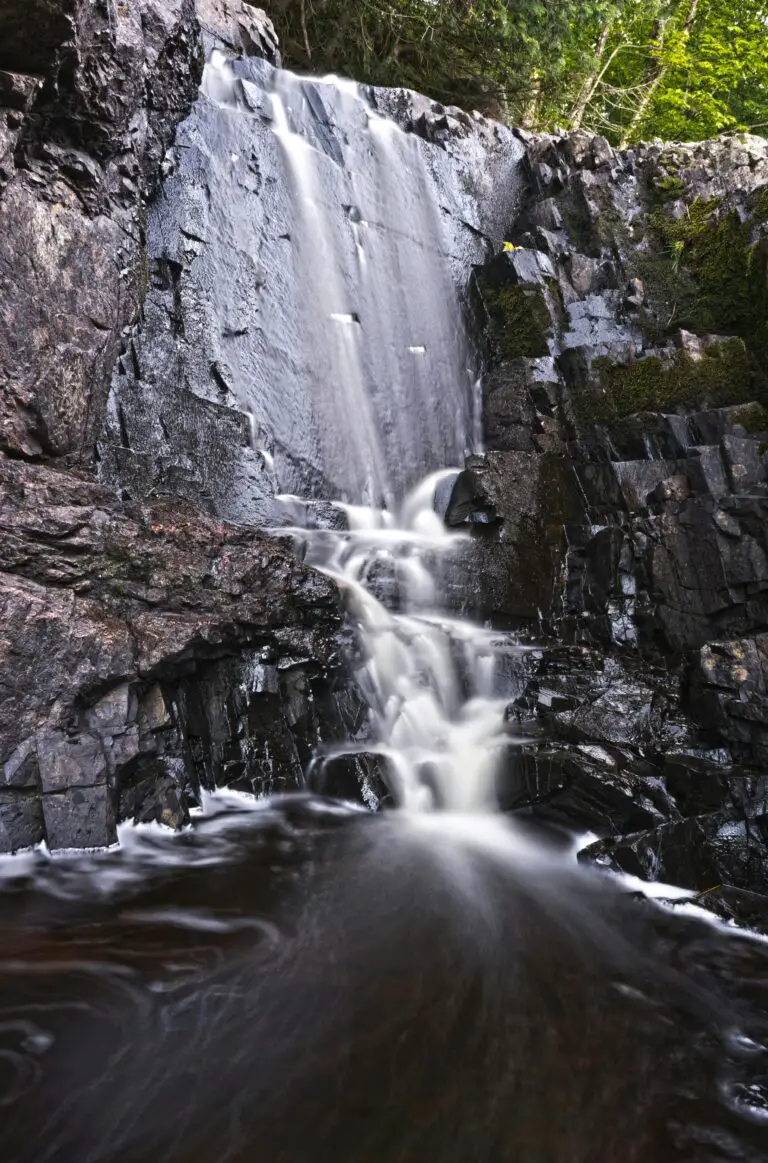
723 376
752 417
719 276
520 320
760 206
668 188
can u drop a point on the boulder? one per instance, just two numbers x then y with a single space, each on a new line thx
241 27
127 628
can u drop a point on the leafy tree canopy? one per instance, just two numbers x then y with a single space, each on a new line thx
676 69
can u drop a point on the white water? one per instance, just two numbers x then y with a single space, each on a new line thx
341 399
361 376
428 679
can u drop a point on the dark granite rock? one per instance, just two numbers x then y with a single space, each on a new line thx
241 27
643 380
116 622
729 694
744 908
359 776
585 788
699 853
91 107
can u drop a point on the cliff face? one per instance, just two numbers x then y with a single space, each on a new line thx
622 503
90 107
618 515
146 648
232 376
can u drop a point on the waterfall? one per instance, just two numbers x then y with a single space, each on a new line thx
394 399
360 320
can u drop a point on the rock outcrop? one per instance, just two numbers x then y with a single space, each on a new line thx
239 27
144 650
88 110
621 508
148 651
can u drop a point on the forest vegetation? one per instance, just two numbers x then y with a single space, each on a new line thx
630 69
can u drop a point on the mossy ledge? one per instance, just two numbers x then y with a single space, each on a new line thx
724 376
520 320
717 260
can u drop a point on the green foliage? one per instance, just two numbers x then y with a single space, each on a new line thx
496 55
725 375
728 278
676 69
752 417
680 70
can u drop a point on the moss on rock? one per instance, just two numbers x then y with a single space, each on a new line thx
719 272
752 417
725 376
520 320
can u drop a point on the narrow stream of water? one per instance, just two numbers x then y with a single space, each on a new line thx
299 980
428 680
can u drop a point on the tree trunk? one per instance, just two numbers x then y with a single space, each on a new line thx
530 114
658 72
591 81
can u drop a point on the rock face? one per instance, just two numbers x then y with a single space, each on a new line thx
276 343
87 110
621 508
153 648
240 27
148 651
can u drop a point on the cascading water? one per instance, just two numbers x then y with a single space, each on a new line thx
374 348
392 412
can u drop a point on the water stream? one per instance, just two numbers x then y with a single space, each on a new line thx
299 980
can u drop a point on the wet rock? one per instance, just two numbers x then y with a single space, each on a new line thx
729 694
128 609
360 777
21 821
587 788
81 817
699 853
746 909
160 795
86 154
517 504
216 399
585 697
649 474
239 26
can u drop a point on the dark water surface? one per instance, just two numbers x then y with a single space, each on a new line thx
310 983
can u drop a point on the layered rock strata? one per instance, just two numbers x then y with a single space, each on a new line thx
148 651
621 507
